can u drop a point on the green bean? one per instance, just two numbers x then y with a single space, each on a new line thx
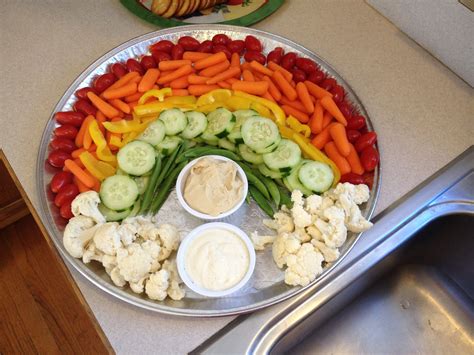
261 201
167 166
273 190
254 180
247 198
150 189
285 197
221 152
165 188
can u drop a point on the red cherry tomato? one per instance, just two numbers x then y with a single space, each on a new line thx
189 43
162 46
317 77
298 75
337 94
177 52
355 122
205 47
148 62
57 157
118 69
369 179
221 48
64 144
366 140
236 46
352 178
85 107
60 179
346 109
288 60
369 158
70 117
65 210
306 65
66 193
104 81
328 84
353 135
82 93
257 56
134 65
275 55
252 44
160 56
221 39
66 131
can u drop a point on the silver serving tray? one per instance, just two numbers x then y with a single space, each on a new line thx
266 286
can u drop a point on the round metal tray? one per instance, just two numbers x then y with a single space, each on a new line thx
267 286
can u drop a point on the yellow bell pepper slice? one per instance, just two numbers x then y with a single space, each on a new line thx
156 107
129 137
181 100
116 141
277 111
297 126
262 110
124 126
158 93
238 103
218 95
211 107
97 168
103 150
286 132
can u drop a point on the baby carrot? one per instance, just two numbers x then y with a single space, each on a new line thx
320 140
227 74
215 69
317 91
196 79
246 65
260 68
87 139
235 60
268 96
272 88
184 70
194 56
108 110
297 104
329 104
254 88
120 105
149 79
338 134
81 175
133 97
354 161
132 105
247 75
275 67
75 154
82 131
198 90
232 80
284 85
80 185
342 164
180 83
303 94
224 85
180 92
118 93
327 119
173 64
100 117
123 80
317 119
300 115
210 61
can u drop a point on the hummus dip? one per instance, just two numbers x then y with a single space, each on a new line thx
213 186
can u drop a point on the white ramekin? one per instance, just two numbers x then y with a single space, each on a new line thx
181 181
183 248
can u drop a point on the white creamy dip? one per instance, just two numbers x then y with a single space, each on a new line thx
217 259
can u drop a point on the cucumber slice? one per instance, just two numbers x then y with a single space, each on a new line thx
316 176
226 144
272 174
113 216
284 158
209 138
220 123
169 144
197 123
142 183
154 133
136 158
135 209
293 183
259 133
272 147
118 192
248 155
235 136
175 121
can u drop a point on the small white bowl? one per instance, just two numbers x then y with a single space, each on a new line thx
181 181
183 248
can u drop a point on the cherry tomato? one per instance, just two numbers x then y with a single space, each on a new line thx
352 178
337 94
66 131
70 117
221 39
65 210
162 46
177 52
369 179
64 144
252 44
189 43
355 122
118 69
346 109
328 84
288 60
148 62
306 65
205 47
66 193
298 75
160 56
369 158
134 65
236 46
221 48
82 93
57 157
353 135
104 81
366 140
257 56
275 55
317 77
85 107
60 179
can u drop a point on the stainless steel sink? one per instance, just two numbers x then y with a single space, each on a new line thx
406 287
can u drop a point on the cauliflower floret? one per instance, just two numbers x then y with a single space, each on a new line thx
91 253
281 222
174 290
314 233
106 238
284 245
77 234
334 232
109 262
169 237
157 285
302 235
304 266
301 218
148 231
259 241
355 221
153 248
329 254
86 204
138 287
127 232
134 262
313 204
117 278
357 193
